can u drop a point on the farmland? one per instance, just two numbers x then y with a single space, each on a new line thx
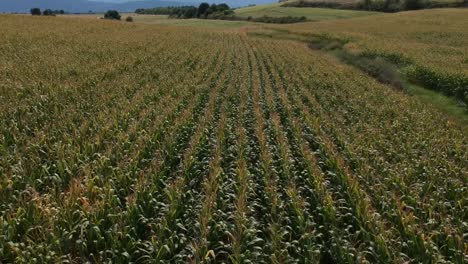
203 23
313 14
374 5
439 32
150 143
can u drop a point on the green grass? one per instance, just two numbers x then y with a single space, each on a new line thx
444 103
314 14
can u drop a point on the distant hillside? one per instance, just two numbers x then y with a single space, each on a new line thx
81 6
312 14
339 4
377 5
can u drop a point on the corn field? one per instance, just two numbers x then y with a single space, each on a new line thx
432 42
155 144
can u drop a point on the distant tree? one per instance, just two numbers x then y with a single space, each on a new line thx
112 14
61 12
222 7
212 9
368 4
129 19
413 4
36 11
225 9
202 8
216 11
48 12
190 12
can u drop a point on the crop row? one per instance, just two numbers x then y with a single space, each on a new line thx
226 148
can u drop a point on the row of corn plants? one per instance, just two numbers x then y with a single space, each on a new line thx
189 145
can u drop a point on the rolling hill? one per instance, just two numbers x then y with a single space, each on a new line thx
76 6
313 14
80 6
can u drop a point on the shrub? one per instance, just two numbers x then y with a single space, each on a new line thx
381 70
327 42
112 14
413 4
36 11
190 12
48 12
129 19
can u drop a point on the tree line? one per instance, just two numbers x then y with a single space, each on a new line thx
378 5
47 12
214 11
204 10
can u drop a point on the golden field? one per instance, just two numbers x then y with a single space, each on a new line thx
160 144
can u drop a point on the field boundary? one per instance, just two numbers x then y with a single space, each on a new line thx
393 70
